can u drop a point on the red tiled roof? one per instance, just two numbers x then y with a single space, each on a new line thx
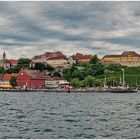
13 62
81 56
125 53
10 61
50 56
111 56
7 77
34 73
36 57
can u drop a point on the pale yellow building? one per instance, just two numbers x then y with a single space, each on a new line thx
57 61
54 59
127 58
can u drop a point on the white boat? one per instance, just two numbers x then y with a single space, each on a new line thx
122 89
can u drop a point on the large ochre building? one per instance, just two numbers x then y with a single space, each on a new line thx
127 58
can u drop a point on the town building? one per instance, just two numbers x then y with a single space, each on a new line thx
71 60
127 58
8 63
5 79
31 79
54 59
82 58
55 82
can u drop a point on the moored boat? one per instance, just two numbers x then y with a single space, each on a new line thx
123 90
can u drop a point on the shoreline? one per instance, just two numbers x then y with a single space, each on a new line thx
57 90
74 90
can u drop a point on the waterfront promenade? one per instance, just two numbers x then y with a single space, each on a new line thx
72 90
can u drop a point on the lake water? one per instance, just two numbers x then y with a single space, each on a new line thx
75 115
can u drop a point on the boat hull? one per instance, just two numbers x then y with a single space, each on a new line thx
125 90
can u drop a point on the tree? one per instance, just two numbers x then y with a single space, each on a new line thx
82 83
2 70
97 83
98 69
75 82
69 72
49 68
56 74
39 66
94 59
88 70
89 81
13 81
115 67
13 70
24 62
77 74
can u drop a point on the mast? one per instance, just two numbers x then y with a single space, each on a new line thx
120 81
105 78
123 78
105 81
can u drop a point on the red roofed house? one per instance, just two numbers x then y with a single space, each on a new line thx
53 58
6 78
31 79
13 62
8 63
82 58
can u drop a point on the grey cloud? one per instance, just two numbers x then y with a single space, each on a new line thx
31 25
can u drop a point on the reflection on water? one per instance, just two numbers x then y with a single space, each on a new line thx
75 115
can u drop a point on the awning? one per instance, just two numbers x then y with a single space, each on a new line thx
6 86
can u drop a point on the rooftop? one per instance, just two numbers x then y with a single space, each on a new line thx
81 56
11 61
34 73
50 56
7 77
125 53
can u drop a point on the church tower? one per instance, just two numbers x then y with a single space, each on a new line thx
4 56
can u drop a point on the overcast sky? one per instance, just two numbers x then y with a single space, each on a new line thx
31 28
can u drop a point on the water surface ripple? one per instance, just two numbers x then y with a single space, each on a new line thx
76 115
